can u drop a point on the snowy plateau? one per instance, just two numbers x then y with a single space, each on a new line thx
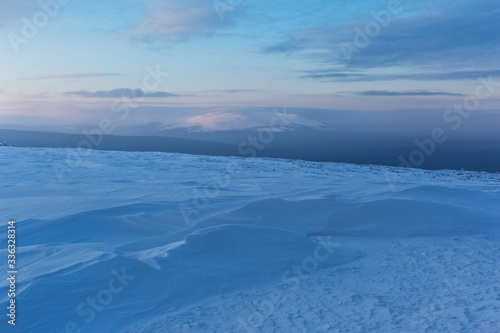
160 242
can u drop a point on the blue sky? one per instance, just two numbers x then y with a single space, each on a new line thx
356 54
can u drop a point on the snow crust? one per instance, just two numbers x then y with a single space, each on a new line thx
224 244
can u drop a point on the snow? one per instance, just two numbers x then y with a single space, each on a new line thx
157 242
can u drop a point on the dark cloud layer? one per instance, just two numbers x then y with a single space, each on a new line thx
333 75
386 93
438 43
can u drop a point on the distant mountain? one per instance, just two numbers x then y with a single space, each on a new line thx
349 145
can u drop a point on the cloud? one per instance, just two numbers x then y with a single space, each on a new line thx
180 20
405 93
291 45
334 75
445 36
233 91
16 10
69 76
123 92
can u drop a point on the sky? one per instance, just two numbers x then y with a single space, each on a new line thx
68 61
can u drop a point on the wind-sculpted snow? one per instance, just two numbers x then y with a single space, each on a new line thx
155 242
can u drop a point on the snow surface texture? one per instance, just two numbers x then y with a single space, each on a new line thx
155 242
